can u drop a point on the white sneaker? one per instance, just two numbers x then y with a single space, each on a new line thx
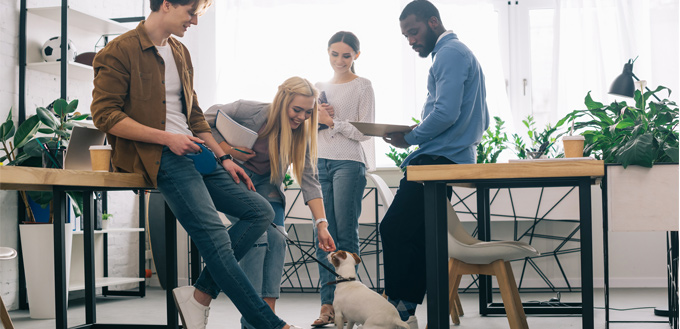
412 322
193 314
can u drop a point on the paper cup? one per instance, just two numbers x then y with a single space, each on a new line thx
573 146
100 156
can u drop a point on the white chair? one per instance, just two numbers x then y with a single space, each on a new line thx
471 256
386 195
6 254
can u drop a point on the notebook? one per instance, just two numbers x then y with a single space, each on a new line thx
78 150
379 129
233 132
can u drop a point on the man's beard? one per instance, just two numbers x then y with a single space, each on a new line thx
430 41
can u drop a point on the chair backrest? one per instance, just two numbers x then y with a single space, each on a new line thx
456 229
7 253
386 195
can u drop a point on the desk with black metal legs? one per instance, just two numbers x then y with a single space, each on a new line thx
560 172
60 181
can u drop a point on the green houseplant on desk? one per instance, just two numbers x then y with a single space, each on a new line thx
643 139
22 146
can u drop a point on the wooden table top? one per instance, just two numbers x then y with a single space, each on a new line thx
520 169
44 179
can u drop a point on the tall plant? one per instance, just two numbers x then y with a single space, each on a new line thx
494 142
641 134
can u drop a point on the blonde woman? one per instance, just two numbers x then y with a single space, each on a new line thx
287 135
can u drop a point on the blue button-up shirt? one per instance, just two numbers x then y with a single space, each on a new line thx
455 114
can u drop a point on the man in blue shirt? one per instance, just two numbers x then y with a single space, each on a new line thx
454 117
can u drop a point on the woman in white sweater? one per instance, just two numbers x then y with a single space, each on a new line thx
345 154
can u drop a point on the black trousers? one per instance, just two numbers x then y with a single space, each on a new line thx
402 232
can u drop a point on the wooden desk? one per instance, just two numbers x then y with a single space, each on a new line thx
60 181
580 173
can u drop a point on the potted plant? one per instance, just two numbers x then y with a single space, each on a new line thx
106 220
22 146
493 143
541 144
642 139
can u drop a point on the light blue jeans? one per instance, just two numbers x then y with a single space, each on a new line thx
195 199
263 263
342 183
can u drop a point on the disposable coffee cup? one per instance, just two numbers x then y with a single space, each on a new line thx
573 146
100 156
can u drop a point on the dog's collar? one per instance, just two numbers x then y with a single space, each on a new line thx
341 280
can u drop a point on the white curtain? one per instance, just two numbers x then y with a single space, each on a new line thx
595 38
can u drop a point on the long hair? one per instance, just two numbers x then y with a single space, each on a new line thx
347 38
288 146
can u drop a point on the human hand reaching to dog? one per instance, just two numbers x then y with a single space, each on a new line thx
325 240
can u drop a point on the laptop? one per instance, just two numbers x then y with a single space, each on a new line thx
78 150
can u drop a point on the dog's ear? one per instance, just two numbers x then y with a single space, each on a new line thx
356 258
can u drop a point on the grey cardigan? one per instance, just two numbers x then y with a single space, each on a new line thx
253 115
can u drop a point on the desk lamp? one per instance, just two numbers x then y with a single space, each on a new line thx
624 85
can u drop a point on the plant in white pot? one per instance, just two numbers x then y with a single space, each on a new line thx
643 139
22 146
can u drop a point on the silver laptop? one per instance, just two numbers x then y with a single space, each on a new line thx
78 151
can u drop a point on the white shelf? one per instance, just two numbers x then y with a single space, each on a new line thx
81 20
114 230
75 70
106 282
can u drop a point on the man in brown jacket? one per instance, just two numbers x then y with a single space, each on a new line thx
144 100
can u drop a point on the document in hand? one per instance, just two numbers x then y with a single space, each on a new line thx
380 129
233 132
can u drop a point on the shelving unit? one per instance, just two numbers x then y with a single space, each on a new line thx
85 31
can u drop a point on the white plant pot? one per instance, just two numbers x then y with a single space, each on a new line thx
105 224
643 199
37 245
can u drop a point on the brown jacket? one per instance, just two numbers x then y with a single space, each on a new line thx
129 82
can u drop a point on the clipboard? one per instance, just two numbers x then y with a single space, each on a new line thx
233 132
380 129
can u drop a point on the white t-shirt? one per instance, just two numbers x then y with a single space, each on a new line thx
175 120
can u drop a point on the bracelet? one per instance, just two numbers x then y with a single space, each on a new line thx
316 222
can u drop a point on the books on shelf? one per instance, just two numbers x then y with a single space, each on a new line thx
233 132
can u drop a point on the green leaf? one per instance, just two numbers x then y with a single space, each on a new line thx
81 117
47 118
26 131
48 131
7 130
72 106
43 198
671 152
637 151
33 148
60 107
592 105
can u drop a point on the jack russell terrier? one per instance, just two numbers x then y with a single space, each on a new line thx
356 303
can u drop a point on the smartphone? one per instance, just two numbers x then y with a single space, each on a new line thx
323 100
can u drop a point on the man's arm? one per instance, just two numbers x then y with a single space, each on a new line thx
179 144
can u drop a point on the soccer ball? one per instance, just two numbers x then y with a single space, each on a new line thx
51 50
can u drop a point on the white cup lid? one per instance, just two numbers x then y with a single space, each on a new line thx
100 147
573 138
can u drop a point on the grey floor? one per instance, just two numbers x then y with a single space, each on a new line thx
302 308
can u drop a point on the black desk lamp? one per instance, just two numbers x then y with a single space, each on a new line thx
624 85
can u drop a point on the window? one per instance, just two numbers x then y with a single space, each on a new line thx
540 57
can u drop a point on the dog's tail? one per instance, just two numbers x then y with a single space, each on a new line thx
402 325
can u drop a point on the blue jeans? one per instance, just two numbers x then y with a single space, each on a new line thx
342 183
195 199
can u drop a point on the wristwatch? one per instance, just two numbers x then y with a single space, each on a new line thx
224 157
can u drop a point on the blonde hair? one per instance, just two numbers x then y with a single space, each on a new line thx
288 146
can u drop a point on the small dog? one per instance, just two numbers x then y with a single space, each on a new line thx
356 303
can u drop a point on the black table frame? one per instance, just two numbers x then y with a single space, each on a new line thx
437 250
60 202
